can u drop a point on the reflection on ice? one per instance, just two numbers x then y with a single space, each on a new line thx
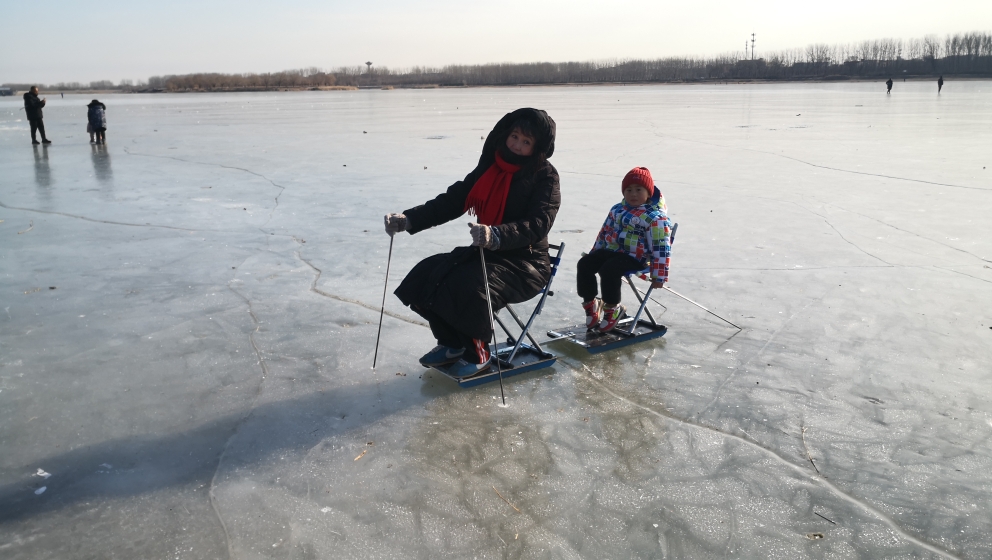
101 163
42 172
199 384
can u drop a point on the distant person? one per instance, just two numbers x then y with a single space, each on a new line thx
514 194
888 86
89 128
636 235
32 108
97 116
940 83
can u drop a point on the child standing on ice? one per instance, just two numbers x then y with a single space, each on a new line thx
97 116
636 235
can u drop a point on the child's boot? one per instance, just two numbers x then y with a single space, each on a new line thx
593 309
611 316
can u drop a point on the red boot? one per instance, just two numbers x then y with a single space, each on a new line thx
480 351
611 316
593 309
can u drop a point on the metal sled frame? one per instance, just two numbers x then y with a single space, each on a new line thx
630 330
516 356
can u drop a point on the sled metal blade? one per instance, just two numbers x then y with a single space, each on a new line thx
596 342
527 358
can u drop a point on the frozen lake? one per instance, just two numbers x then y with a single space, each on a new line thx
189 316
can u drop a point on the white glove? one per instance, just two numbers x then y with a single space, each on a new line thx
482 236
395 223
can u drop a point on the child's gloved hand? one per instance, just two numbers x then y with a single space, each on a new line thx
482 236
395 223
658 284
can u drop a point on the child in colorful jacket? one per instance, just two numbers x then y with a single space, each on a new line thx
636 235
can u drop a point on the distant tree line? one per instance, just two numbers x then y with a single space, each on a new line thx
958 54
123 85
294 79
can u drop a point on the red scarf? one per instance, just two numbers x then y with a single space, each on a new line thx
487 199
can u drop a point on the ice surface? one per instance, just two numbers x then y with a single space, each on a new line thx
189 315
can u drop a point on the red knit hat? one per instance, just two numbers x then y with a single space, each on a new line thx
638 176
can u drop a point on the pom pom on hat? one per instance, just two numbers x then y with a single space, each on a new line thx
638 176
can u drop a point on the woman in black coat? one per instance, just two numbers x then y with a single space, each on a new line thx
515 196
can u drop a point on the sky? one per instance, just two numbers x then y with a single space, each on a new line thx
52 41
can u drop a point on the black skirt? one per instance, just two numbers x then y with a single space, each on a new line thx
450 285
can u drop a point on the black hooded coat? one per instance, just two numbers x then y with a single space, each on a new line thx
450 285
32 106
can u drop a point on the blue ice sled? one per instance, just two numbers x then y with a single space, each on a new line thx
630 330
516 356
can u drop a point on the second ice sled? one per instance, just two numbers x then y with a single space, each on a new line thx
630 330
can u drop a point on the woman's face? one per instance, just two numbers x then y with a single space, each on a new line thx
520 143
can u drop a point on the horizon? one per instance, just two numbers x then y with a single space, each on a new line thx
123 41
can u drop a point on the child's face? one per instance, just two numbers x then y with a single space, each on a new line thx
520 143
635 195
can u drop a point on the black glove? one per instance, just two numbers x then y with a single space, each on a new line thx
395 223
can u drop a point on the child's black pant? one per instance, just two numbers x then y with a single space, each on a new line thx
611 267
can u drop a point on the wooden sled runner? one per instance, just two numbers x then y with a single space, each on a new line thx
515 355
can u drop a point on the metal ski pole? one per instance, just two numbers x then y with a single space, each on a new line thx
701 307
382 310
492 324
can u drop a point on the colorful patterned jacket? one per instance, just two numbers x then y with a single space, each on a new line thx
642 232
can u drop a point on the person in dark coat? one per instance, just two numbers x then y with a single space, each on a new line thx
96 114
888 86
32 108
940 83
514 194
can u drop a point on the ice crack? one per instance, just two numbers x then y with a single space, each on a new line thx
838 169
316 290
963 274
848 241
904 230
111 222
221 165
756 354
237 428
816 479
866 173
